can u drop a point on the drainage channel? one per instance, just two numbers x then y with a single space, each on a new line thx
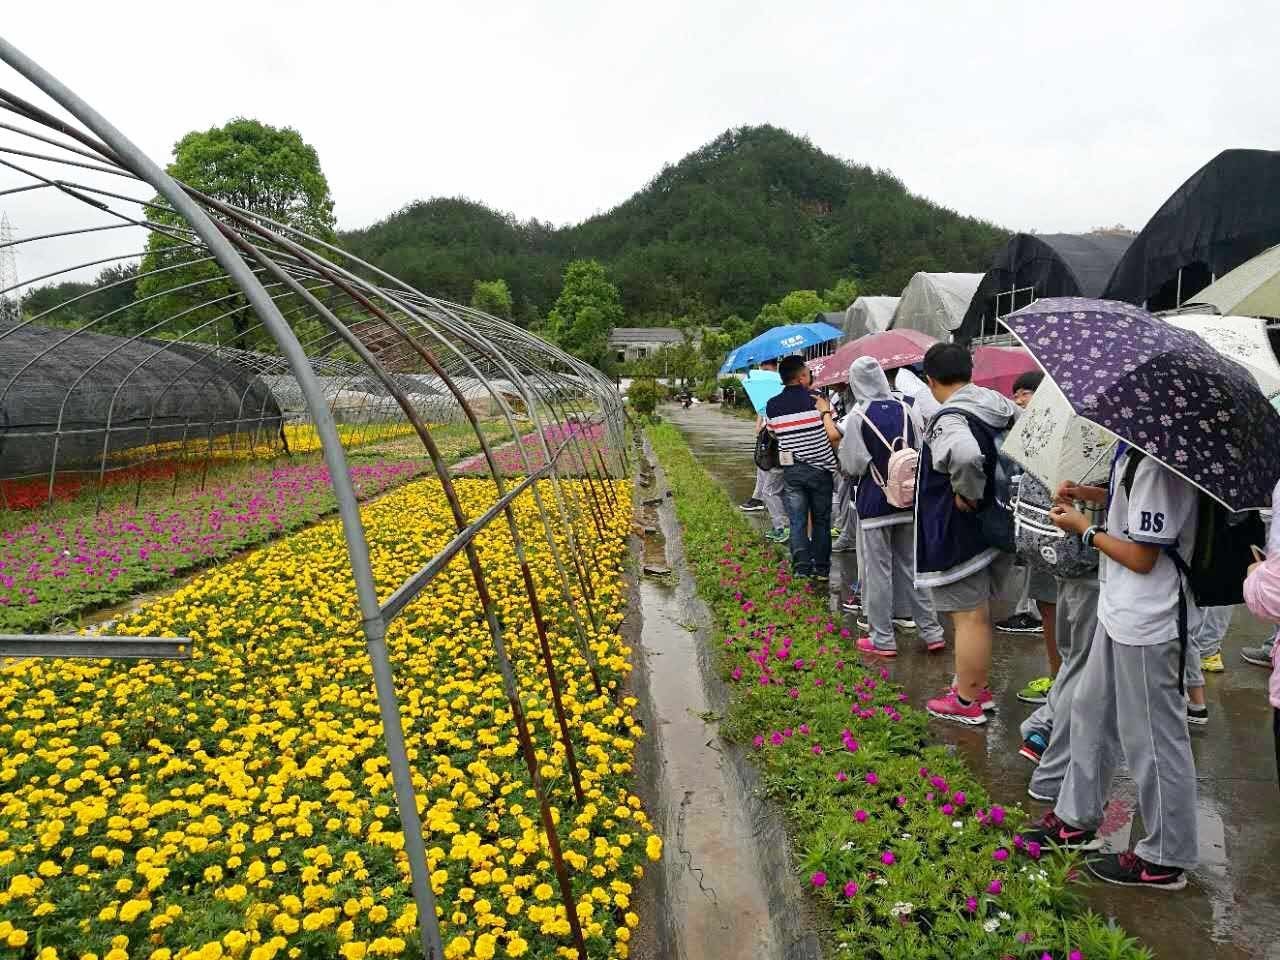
728 885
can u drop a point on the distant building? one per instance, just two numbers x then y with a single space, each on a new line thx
636 343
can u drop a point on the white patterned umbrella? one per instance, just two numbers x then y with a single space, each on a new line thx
1053 443
1242 339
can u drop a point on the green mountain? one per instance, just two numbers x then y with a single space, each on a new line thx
755 213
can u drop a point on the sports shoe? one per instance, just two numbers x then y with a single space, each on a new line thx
1130 870
1020 623
987 700
1213 664
843 547
1052 829
949 707
1197 715
835 534
906 623
853 604
823 577
1034 746
751 505
778 535
1259 656
1037 691
867 645
936 647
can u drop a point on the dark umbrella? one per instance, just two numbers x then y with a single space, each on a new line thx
1159 388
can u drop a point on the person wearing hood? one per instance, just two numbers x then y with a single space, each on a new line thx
966 574
879 425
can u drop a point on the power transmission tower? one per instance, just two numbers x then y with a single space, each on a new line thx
10 311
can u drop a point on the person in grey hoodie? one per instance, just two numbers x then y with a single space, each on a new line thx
872 431
956 481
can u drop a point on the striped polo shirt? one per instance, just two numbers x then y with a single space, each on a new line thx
794 419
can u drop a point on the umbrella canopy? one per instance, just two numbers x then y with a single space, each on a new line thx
762 386
778 342
998 367
1161 389
1250 290
891 349
1053 444
1242 339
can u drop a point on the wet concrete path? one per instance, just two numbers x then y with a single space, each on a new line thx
1231 908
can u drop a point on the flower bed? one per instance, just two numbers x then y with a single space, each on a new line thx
898 840
581 442
240 805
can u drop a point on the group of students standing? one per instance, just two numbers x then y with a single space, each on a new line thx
1124 687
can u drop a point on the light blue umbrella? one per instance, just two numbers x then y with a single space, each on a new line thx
761 387
778 342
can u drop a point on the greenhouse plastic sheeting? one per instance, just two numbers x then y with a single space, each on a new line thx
1227 212
71 398
1041 265
935 303
869 315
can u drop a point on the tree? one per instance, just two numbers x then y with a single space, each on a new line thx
493 297
269 171
841 295
586 311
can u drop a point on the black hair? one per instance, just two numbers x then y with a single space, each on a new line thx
790 367
772 361
948 363
1030 380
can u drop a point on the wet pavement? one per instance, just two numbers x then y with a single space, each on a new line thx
1231 907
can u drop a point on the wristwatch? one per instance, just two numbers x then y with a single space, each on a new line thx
1088 535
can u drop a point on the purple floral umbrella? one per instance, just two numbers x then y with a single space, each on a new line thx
1161 389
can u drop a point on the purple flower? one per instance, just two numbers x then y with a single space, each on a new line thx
872 778
1076 955
947 809
758 742
860 816
850 889
887 858
997 814
1033 850
971 904
841 777
995 887
1001 854
819 879
959 798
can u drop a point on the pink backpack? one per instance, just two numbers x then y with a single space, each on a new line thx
899 485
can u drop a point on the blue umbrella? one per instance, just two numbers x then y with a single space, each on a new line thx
1161 389
762 386
778 342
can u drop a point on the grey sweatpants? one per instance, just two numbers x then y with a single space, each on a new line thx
769 490
1205 627
1128 698
1076 622
845 516
888 558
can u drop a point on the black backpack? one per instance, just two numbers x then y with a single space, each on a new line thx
766 453
1220 555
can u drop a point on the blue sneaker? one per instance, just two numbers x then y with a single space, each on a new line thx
1034 746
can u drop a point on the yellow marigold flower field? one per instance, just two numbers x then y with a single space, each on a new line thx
240 804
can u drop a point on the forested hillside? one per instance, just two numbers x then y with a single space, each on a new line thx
738 223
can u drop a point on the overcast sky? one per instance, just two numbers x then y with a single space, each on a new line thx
1054 118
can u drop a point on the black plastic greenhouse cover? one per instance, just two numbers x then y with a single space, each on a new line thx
70 398
1227 212
1032 266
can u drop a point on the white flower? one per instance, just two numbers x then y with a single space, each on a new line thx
881 882
847 846
901 909
958 824
1003 915
990 925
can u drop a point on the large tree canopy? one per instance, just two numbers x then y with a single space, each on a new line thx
587 309
270 171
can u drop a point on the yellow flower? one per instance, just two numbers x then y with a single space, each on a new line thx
653 847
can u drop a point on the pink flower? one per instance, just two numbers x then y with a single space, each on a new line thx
737 673
872 778
804 729
994 887
887 858
793 693
817 750
860 816
841 777
971 904
948 809
775 738
959 798
1033 850
1001 854
758 742
997 815
1076 955
819 879
850 889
